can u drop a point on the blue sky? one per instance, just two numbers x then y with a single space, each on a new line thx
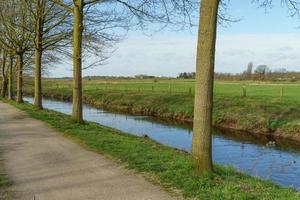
255 20
268 37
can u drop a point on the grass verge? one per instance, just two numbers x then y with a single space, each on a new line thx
168 167
4 182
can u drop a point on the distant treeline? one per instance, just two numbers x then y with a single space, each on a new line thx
140 76
260 73
271 76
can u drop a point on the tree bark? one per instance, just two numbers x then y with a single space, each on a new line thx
10 79
38 63
202 130
77 61
20 79
4 87
4 76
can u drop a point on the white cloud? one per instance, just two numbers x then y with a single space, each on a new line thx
170 55
274 50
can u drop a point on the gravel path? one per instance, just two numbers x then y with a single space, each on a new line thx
46 166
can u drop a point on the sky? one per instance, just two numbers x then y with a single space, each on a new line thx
263 36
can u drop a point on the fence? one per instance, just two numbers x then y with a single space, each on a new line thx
149 88
239 90
282 91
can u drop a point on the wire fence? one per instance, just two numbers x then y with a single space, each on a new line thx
276 91
282 91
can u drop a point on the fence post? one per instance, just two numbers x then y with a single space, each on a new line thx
281 92
244 91
190 90
152 88
170 88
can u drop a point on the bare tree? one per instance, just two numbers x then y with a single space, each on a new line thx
51 29
10 77
4 73
249 69
15 35
126 13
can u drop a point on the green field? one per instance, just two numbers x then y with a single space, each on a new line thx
260 90
263 110
162 165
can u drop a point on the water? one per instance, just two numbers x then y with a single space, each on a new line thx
279 163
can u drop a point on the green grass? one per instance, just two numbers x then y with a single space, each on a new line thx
166 166
262 111
3 178
4 182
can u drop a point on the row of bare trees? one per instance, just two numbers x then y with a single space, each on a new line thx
38 32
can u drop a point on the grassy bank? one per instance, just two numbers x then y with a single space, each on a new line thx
4 182
163 165
263 111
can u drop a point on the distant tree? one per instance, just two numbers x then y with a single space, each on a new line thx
280 70
262 71
249 69
143 76
184 75
187 75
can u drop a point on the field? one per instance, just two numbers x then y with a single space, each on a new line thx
266 108
258 90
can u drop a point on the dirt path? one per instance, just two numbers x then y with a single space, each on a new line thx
47 166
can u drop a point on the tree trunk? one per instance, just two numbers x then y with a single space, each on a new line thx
10 79
4 87
202 130
20 79
4 76
38 64
77 61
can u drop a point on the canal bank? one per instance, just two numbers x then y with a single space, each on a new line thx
272 118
